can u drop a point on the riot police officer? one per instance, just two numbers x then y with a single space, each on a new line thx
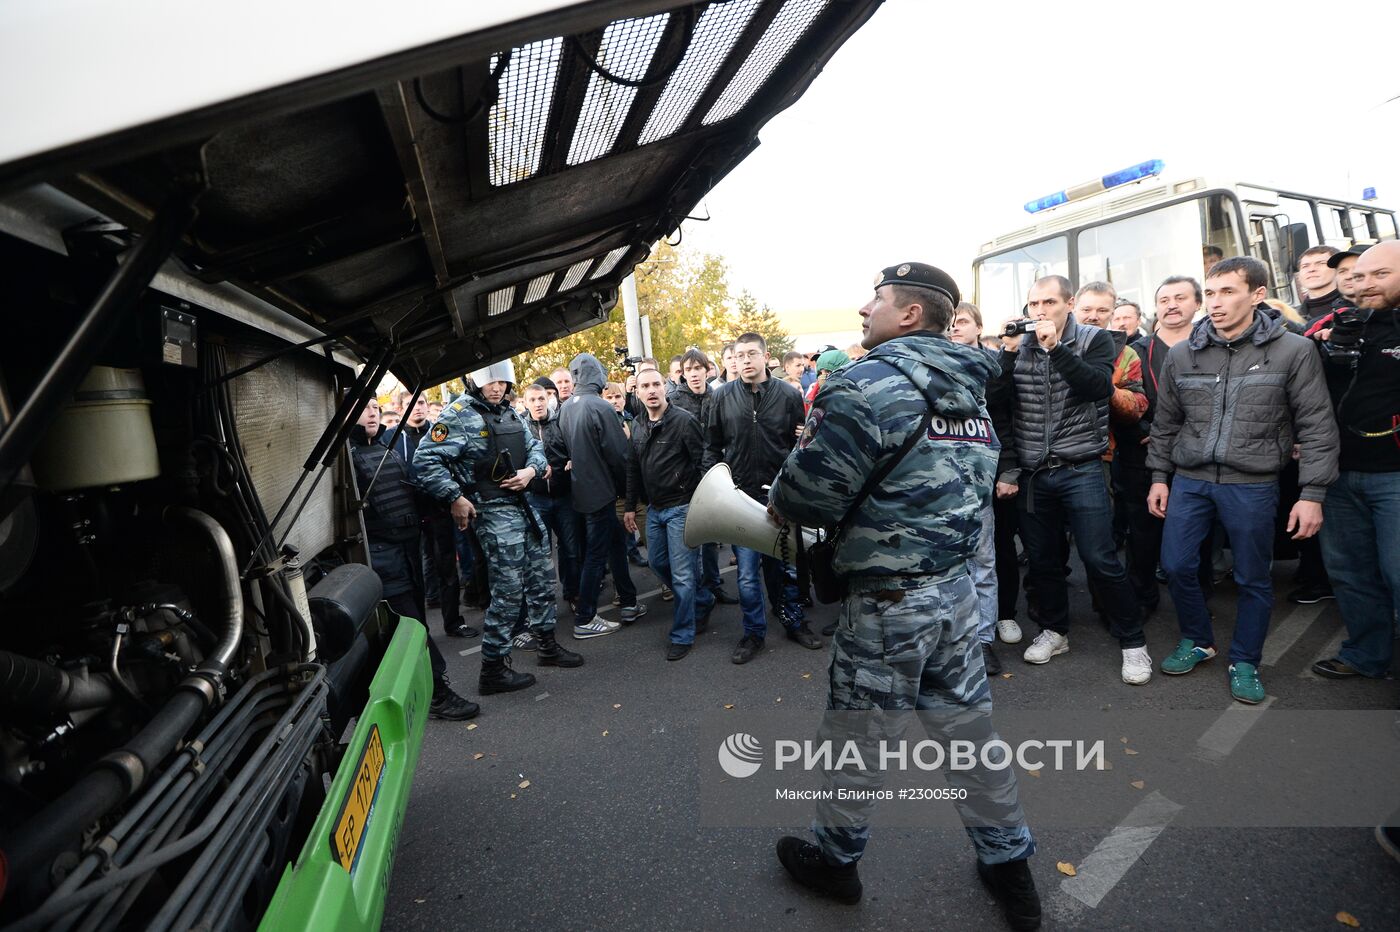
899 451
478 460
395 554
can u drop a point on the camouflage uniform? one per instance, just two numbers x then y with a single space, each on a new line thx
508 528
906 639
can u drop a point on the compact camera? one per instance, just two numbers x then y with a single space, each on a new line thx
1017 327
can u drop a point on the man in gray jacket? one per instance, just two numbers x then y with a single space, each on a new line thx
1232 401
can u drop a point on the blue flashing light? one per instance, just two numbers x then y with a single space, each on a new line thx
1368 194
1136 173
1045 203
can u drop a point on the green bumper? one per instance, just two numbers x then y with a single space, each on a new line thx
341 878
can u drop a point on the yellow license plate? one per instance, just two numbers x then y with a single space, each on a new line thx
358 807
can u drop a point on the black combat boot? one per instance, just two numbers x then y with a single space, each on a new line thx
1011 883
551 654
449 706
498 677
805 863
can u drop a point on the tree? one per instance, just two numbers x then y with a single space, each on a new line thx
750 317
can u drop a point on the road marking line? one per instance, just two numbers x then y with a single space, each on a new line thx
541 697
1285 635
651 594
1227 731
1329 650
1113 857
470 650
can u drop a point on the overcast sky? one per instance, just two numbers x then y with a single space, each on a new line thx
936 122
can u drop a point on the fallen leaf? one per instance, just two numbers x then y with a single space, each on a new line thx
1137 784
806 676
780 698
471 726
729 705
524 783
416 900
1129 751
512 795
1034 773
1124 740
478 756
605 734
1107 765
1347 919
1066 868
617 705
1007 676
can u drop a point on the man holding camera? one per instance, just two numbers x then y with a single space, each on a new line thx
900 451
1231 401
1061 377
477 461
1361 530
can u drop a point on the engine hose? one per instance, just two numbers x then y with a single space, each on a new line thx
35 686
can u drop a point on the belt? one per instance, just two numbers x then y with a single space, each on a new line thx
1055 462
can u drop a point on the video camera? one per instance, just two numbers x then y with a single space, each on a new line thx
624 359
1018 327
1345 341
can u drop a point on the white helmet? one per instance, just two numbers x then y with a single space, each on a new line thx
503 371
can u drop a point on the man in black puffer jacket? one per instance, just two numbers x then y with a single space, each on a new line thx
693 395
1232 400
1061 378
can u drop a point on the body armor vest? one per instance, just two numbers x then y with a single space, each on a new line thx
504 455
390 511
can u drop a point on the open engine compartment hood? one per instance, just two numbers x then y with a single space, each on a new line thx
467 198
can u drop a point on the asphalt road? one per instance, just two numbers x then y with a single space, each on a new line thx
607 833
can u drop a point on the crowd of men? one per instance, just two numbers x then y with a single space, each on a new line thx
1223 423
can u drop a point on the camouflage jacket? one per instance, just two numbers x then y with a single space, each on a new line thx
447 455
926 515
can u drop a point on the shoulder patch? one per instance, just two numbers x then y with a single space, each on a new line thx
814 422
438 433
968 430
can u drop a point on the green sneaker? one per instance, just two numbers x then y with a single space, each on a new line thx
1244 683
1186 656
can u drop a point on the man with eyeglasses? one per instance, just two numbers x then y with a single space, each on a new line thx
754 422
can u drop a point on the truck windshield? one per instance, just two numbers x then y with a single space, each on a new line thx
1137 253
1004 280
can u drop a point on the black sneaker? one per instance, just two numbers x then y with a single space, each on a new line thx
1310 595
677 651
1335 669
749 646
803 635
1014 887
722 597
990 661
804 862
449 706
461 630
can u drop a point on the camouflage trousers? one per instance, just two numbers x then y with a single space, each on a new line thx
520 572
906 650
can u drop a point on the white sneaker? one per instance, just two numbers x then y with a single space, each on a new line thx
1046 645
1009 631
1137 666
595 628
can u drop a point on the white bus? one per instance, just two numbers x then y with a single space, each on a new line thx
1134 228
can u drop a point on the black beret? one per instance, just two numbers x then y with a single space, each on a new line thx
918 275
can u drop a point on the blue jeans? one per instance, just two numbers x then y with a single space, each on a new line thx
1247 512
982 567
1360 544
1076 497
558 516
602 544
757 572
709 567
678 566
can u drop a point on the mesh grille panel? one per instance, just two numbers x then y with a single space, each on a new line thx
539 287
716 32
519 117
609 262
627 49
575 274
498 302
778 39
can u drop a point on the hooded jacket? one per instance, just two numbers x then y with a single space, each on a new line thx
593 438
549 435
1231 412
926 515
1060 398
752 429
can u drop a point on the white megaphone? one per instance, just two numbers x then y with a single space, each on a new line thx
721 514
